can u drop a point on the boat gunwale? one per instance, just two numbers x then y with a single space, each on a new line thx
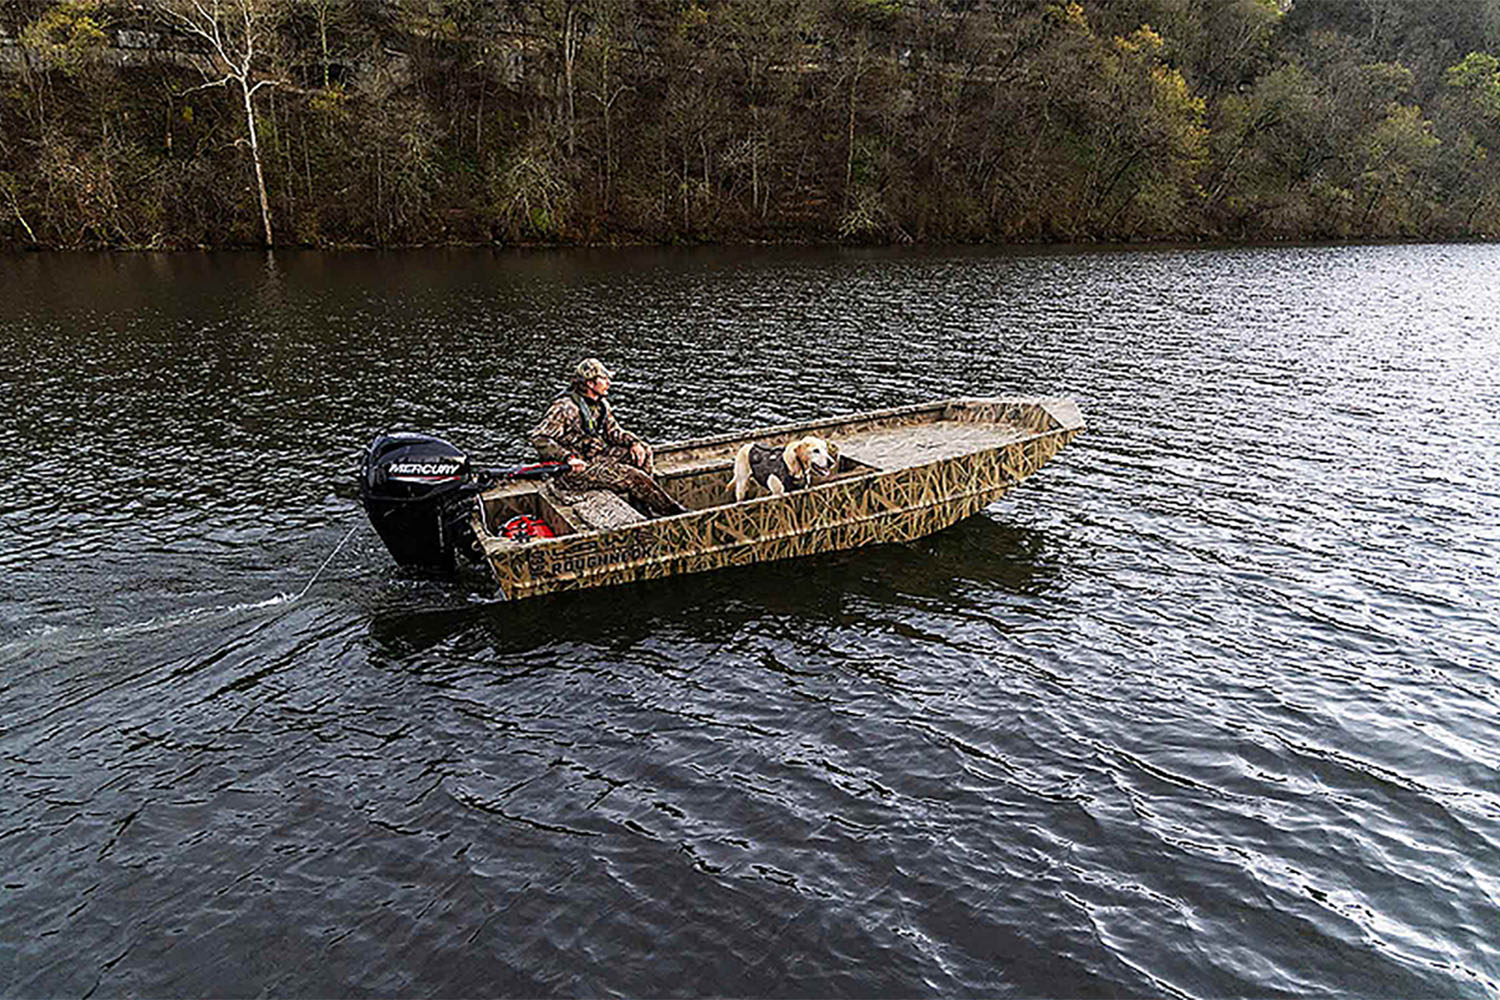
871 416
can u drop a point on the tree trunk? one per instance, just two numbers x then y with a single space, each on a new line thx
570 56
16 207
260 177
849 160
607 101
285 146
484 80
754 159
323 38
1364 222
703 149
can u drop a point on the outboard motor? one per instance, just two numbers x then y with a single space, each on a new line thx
415 488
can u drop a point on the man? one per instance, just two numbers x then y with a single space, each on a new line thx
580 428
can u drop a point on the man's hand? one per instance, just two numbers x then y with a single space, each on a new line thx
638 454
576 464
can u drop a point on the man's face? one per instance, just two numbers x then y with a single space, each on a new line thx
600 385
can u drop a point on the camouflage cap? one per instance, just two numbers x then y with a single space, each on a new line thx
589 369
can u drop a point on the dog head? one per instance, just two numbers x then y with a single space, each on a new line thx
810 456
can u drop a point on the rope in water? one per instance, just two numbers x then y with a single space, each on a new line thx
321 568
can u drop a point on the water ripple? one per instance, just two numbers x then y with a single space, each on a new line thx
1208 708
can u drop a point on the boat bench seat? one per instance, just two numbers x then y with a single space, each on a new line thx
591 510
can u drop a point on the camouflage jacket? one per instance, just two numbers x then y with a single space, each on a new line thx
576 425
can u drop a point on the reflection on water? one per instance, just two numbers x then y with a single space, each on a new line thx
1207 707
947 567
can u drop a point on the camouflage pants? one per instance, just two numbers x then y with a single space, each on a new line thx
613 470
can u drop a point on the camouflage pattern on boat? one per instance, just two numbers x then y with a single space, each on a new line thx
901 474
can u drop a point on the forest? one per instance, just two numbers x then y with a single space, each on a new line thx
166 124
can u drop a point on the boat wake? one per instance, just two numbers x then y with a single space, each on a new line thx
71 632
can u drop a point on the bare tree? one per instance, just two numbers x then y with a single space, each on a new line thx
607 92
569 36
234 31
327 13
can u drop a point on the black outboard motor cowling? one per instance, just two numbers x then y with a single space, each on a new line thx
415 487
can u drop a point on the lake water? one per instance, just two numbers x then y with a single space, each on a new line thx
1210 706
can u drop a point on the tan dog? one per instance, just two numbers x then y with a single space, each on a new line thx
782 469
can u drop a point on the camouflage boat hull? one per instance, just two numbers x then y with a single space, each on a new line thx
903 473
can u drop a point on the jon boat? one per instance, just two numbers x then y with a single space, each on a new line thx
901 473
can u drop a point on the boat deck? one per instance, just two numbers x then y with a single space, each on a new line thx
918 444
880 447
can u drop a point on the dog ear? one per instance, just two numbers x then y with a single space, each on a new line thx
790 456
804 462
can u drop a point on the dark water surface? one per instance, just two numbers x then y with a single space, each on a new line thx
1209 707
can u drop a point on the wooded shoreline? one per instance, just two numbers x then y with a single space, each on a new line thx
174 124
